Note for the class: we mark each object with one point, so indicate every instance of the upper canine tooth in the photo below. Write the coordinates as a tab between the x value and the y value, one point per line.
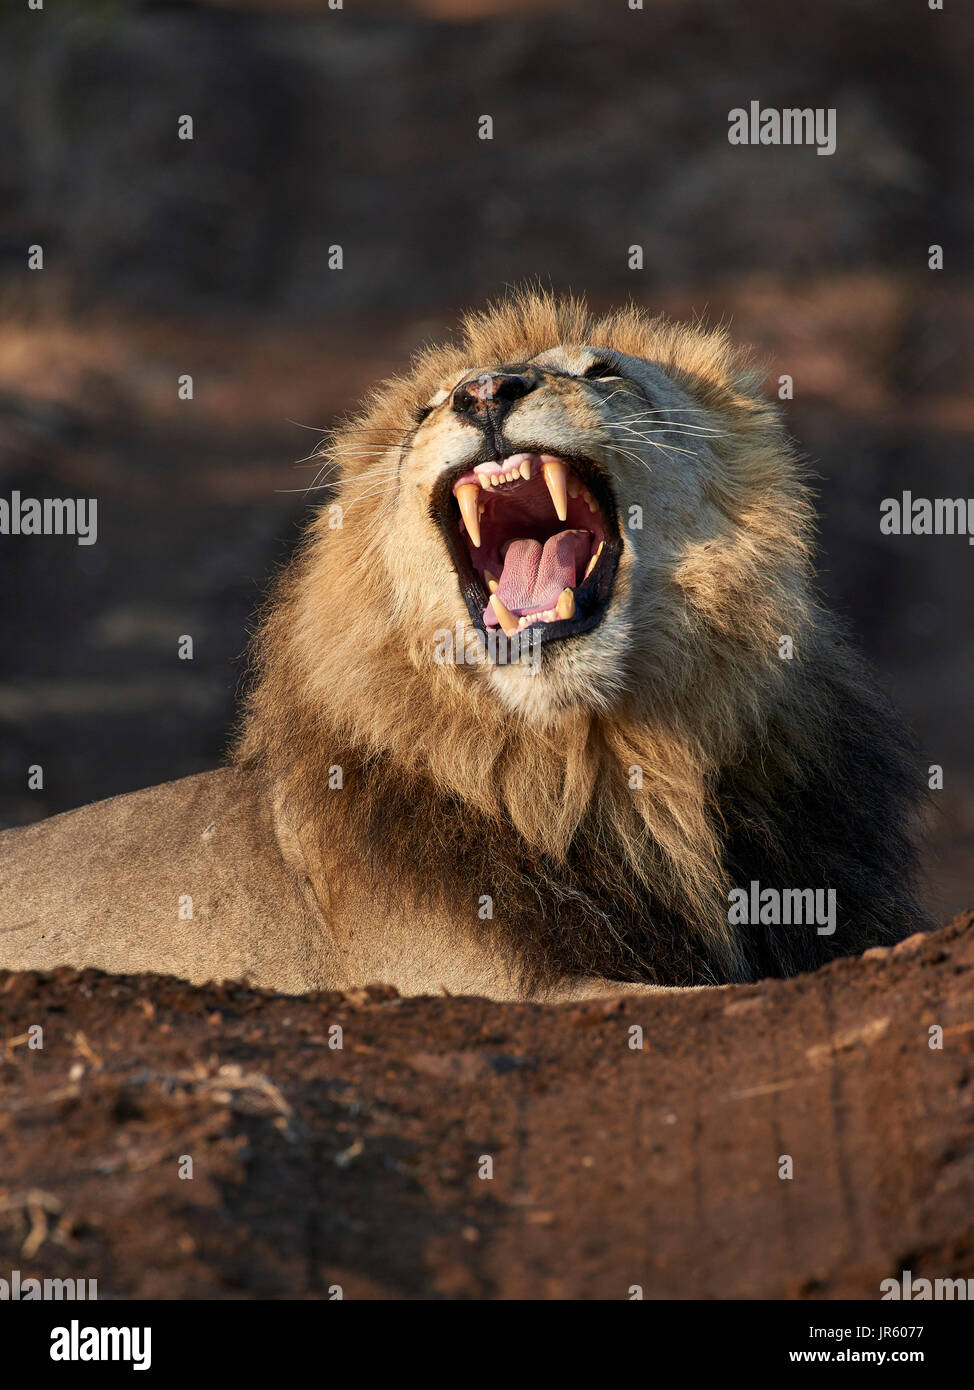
468	495
504	616
556	476
565	607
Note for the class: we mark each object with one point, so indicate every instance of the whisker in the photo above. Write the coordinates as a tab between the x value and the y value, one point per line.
674	410
313	487
314	459
619	391
669	429
358	453
308	459
627	453
687	434
317	429
666	448
678	427
364	497
377	470
688	427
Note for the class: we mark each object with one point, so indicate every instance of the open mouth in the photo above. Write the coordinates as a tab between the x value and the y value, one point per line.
535	540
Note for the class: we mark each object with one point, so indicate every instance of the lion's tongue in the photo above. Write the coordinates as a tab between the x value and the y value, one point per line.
535	574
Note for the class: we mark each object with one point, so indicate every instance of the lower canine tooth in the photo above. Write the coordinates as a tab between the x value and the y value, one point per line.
504	616
565	607
556	476
468	496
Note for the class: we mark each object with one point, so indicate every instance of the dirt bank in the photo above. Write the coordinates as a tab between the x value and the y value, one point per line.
316	1166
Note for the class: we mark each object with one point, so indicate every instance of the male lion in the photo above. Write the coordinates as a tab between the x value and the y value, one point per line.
608	512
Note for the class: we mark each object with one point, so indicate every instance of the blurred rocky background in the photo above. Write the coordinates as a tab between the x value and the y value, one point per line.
358	127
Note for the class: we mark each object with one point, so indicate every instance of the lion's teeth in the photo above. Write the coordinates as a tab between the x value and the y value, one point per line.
589	500
468	495
525	469
556	477
574	486
565	607
492	580
593	562
504	616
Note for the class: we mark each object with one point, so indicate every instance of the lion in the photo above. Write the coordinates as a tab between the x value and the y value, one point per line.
546	689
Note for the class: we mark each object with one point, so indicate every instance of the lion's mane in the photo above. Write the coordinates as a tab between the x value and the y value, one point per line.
793	773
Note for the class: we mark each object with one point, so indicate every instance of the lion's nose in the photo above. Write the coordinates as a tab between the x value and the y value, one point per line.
491	394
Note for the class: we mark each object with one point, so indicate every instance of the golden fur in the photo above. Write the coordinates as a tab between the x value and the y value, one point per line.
683	679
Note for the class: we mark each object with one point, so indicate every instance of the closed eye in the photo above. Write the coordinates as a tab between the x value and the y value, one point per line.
599	370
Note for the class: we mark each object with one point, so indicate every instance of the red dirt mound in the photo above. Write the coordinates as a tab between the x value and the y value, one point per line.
361	1166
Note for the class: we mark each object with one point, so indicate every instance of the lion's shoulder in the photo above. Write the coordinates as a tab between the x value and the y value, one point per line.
184	878
144	826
